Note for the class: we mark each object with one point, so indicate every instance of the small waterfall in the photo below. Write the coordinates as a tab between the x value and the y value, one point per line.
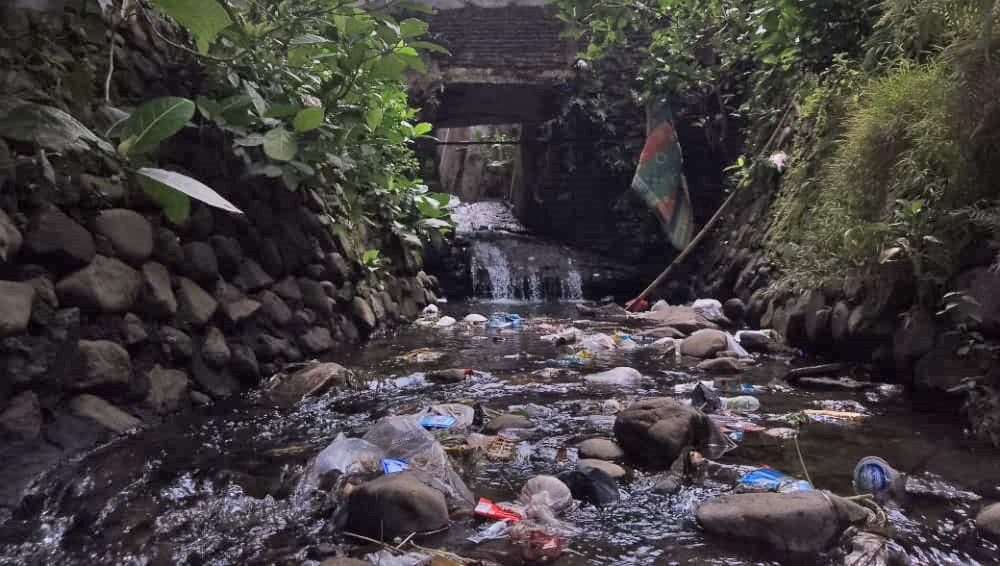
516	269
489	259
573	285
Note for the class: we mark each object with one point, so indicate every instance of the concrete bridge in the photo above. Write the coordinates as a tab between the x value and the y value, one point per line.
507	61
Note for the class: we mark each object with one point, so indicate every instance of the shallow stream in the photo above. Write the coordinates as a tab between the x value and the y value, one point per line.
216	487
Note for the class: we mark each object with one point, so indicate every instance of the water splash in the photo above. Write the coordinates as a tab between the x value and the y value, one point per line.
573	287
488	258
506	270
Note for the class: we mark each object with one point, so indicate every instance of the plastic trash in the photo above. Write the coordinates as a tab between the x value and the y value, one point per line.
394	466
544	497
437	421
624	341
502	447
622	376
741	404
436	415
405	439
598	342
660	305
349	456
705	398
537	545
874	475
486	508
445	321
708	308
475	318
497	530
386	558
773	480
430	310
733	385
503	320
421	355
823	415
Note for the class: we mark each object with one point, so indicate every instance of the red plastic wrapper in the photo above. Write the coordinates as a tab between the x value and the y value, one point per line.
486	508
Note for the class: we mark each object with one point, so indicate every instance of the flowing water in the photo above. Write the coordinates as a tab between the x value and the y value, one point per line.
217	488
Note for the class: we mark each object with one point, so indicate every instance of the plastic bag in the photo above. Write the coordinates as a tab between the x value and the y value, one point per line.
405	439
708	308
349	456
464	414
544	497
597	342
772	480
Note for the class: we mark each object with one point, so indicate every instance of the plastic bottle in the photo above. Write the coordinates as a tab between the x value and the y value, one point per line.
741	404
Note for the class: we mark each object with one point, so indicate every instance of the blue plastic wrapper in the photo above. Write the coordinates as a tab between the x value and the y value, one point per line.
503	320
394	465
437	421
775	480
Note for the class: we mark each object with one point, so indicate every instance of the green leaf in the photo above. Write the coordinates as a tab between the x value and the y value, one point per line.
281	111
209	108
204	18
175	205
370	255
429	46
412	61
308	119
190	187
280	145
258	101
389	67
422	128
374	117
412	27
156	121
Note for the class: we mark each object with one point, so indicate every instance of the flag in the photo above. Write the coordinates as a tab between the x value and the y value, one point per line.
659	179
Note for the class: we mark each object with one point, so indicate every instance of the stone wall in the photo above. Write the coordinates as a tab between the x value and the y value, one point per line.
110	316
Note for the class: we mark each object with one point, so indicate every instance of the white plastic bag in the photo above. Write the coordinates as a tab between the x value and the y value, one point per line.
544	497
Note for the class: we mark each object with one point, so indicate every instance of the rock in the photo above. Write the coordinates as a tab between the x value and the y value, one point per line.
288	289
176	345
668	484
839	319
252	277
662	332
704	344
734	309
106	285
988	520
316	340
104	413
200	399
592	485
445	321
167	248
196	305
685	319
914	337
943	368
200	262
130	234
621	376
104	363
314	297
218	384
133	330
57	236
430	310
363	312
73	433
654	431
475	318
316	379
721	365
613	470
15	307
244	363
22	418
166	389
601	449
10	238
157	295
228	253
453	375
46	301
214	349
395	505
506	421
803	521
274	308
240	310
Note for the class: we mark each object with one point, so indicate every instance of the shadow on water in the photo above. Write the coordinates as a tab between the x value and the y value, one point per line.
216	487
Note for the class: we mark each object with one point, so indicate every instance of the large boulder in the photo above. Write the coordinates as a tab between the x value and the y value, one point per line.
130	234
685	319
655	431
10	238
107	284
15	307
104	413
988	520
104	363
804	521
316	379
166	389
60	238
704	343
395	505
22	418
196	305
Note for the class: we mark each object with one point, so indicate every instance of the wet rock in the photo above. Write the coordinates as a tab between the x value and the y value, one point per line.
704	344
214	349
601	449
734	309
288	289
720	365
316	340
22	418
453	375
445	321
669	484
654	431
104	413
274	308
363	312
756	342
133	330
166	389
106	284
988	520
200	262
506	421
592	485
314	297
73	433
15	307
663	332
157	295
685	319
612	469
252	277
196	306
395	505
103	363
240	310
228	253
176	345
316	379
130	234
217	383
10	238
57	236
804	521
621	376
244	363
475	318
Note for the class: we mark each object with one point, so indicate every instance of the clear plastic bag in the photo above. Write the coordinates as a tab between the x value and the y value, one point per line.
544	497
348	456
464	414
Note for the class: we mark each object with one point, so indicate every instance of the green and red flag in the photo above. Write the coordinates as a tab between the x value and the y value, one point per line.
659	179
